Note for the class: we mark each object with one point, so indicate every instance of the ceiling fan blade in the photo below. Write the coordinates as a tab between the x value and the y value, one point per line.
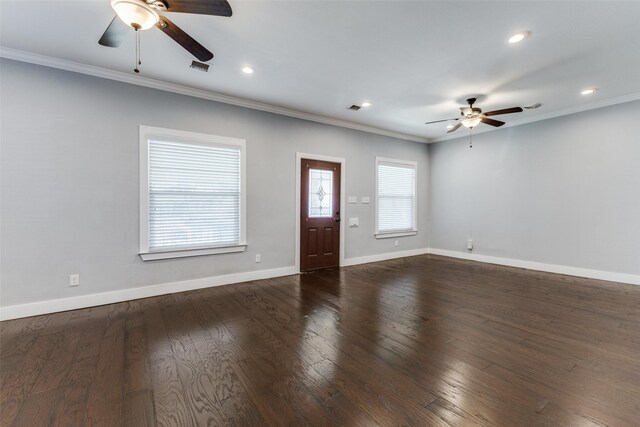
491	122
505	111
184	39
455	128
440	121
201	7
115	33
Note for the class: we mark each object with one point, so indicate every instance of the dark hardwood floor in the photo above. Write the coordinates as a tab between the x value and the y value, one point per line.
422	341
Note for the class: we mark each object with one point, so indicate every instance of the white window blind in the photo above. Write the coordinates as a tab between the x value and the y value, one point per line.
194	195
396	196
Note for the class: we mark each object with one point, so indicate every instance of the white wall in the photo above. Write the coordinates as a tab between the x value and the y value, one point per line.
563	191
69	183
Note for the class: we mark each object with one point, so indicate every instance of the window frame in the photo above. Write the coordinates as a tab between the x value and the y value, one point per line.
396	233
149	132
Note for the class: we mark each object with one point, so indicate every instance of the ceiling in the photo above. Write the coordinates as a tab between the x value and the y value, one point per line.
415	61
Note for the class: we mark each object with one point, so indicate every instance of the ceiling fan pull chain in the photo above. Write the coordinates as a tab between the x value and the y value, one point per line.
139	49
470	138
138	62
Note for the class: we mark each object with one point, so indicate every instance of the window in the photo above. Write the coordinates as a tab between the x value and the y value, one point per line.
192	194
320	193
396	206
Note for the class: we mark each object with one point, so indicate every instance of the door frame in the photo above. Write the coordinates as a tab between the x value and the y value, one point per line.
321	157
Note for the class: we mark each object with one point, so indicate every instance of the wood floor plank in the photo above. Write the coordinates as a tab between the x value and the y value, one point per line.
241	411
137	371
579	403
257	379
138	409
197	383
12	396
38	410
104	403
57	367
455	416
74	391
169	396
346	413
168	393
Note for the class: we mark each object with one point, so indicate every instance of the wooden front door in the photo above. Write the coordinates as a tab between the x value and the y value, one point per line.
319	215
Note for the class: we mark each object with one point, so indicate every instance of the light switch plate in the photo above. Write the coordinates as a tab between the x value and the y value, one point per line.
365	199
352	199
74	280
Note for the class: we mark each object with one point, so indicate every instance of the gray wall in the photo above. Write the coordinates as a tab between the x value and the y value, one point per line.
562	191
69	183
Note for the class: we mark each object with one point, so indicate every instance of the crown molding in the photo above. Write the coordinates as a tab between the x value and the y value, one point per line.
550	115
48	61
62	64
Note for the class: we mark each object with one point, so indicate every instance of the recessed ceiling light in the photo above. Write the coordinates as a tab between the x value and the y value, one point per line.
449	126
588	91
247	70
366	104
518	37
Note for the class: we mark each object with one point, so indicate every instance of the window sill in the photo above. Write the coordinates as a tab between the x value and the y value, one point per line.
395	234
152	256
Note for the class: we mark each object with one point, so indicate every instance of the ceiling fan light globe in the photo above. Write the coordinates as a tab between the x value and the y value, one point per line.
135	13
470	122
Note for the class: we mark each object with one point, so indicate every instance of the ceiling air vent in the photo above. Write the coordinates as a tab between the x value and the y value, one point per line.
199	66
354	107
534	106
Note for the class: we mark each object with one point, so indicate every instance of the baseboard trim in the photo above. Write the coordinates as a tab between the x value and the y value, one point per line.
383	257
631	279
85	301
92	300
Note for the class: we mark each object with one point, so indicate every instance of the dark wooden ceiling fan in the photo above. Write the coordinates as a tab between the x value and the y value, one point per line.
472	116
144	14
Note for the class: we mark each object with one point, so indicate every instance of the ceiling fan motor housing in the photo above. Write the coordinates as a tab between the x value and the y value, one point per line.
470	111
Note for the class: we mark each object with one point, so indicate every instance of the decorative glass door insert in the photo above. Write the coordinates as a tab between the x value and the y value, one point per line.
320	193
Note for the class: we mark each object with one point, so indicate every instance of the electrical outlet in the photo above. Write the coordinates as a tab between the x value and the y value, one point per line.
257	257
397	243
74	280
470	244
